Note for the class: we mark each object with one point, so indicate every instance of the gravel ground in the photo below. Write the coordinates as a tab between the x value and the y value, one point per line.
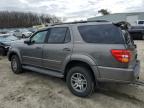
32	90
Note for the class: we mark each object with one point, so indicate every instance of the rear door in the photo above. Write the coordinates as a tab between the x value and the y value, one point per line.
58	48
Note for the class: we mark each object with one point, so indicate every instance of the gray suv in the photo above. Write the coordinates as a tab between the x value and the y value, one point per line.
83	53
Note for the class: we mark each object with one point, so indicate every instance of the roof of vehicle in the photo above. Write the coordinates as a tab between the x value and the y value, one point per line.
77	23
122	25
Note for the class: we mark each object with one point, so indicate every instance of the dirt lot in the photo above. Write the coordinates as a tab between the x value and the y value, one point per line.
31	90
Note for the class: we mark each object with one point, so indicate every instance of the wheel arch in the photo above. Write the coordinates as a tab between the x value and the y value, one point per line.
72	63
10	54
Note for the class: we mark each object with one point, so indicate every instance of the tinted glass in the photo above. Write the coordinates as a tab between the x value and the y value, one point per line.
57	35
39	37
107	34
68	36
141	22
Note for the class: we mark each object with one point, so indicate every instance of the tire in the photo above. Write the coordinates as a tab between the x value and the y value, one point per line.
16	65
86	76
2	51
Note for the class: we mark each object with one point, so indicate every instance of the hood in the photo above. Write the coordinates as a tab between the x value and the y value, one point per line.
18	41
8	43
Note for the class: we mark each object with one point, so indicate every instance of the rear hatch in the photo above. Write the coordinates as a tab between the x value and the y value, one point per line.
129	43
108	44
131	47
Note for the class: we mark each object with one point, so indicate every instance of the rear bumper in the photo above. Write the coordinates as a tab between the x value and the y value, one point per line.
121	75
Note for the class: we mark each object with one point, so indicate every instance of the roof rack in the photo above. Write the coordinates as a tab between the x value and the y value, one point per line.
80	22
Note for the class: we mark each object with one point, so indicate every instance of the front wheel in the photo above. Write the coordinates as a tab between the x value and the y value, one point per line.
16	64
80	81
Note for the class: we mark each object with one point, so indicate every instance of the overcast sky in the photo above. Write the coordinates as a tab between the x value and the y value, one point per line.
72	9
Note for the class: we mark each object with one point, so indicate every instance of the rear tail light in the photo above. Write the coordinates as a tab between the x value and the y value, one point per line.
122	56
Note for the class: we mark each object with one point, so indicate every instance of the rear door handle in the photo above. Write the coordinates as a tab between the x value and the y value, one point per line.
66	49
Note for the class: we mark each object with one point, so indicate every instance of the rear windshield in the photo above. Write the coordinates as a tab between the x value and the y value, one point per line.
107	34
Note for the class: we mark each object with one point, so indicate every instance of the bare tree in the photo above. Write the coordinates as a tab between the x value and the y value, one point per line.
104	12
21	19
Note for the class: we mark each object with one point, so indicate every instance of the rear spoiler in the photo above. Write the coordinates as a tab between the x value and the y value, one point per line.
123	25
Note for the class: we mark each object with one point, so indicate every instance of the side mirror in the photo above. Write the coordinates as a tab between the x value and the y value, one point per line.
27	41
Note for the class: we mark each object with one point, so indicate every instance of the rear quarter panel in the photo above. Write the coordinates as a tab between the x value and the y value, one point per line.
99	53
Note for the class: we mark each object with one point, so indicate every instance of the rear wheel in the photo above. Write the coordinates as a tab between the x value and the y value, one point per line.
80	81
16	65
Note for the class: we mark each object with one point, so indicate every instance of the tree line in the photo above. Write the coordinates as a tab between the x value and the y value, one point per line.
104	12
22	19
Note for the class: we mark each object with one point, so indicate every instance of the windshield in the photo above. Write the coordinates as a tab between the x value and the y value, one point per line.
7	38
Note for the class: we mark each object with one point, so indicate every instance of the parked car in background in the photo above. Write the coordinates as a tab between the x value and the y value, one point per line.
22	33
83	53
4	31
140	22
137	32
33	30
5	42
11	32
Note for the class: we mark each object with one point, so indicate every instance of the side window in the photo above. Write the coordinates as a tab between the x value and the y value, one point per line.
39	37
57	35
106	34
68	36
